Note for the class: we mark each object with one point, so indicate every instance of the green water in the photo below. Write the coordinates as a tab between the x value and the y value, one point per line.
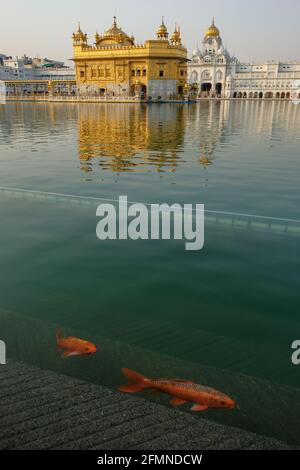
225	316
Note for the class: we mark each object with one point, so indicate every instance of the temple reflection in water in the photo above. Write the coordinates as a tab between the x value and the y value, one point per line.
131	137
119	138
140	138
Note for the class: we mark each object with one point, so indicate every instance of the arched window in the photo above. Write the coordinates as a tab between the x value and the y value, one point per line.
206	75
194	76
219	76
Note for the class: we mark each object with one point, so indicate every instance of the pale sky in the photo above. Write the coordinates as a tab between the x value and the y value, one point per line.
251	29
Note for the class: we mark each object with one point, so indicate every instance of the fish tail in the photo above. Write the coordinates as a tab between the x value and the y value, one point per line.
137	382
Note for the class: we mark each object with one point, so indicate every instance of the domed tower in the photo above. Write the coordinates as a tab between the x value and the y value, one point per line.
162	33
114	36
212	41
212	31
79	38
209	66
176	37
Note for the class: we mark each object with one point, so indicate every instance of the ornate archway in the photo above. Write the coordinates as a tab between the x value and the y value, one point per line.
206	89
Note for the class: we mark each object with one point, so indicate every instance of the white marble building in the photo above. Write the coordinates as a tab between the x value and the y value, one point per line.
218	74
19	69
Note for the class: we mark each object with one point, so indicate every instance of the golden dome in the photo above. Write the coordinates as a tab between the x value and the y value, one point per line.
162	32
114	30
212	31
162	29
79	36
114	35
176	36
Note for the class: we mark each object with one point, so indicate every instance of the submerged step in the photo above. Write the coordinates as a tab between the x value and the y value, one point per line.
105	420
264	407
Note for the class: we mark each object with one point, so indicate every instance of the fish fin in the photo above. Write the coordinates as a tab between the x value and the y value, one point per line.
199	408
133	377
177	402
67	354
137	382
131	388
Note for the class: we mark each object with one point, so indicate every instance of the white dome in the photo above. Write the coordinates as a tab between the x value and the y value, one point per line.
196	53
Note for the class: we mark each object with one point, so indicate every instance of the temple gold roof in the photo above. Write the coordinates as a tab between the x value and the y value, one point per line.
176	36
162	32
79	35
114	35
212	31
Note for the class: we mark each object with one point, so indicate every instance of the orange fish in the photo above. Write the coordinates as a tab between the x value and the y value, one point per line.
74	346
182	391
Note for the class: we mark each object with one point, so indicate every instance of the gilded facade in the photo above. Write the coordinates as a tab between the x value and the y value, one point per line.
116	66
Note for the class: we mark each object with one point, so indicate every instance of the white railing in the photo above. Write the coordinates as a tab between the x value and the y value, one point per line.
93	98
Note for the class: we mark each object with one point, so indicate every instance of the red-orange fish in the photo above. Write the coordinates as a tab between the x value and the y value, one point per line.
182	391
74	346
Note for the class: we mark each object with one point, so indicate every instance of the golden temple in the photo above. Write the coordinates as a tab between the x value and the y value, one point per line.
114	66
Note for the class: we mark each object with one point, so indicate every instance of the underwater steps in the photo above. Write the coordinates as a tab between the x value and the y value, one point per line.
199	346
265	407
43	410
